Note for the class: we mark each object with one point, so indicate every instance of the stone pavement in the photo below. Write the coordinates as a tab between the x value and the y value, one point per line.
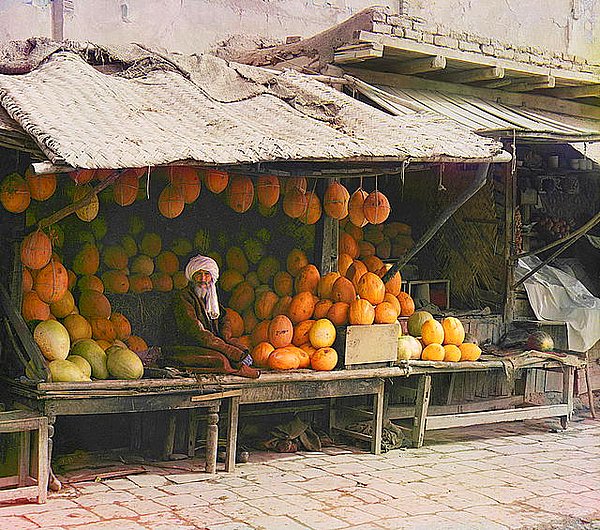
517	475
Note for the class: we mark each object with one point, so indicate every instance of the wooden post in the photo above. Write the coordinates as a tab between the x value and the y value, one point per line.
232	429
588	384
510	183
170	435
24	457
58	20
378	410
192	432
43	469
567	394
212	439
421	407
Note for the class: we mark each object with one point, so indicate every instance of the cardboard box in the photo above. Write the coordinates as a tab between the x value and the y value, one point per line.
358	346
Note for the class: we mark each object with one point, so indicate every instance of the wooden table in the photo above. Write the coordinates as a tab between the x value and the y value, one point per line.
513	408
114	397
273	387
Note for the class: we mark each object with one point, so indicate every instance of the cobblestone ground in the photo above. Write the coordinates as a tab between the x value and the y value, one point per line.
518	475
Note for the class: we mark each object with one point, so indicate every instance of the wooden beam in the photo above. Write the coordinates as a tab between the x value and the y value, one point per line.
358	52
476	185
419	66
533	101
472	76
498	83
533	84
476	59
574	92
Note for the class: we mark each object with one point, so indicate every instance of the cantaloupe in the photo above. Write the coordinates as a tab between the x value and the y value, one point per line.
122	363
53	339
62	370
93	354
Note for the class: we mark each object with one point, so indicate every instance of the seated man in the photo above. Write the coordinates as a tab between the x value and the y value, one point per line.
205	342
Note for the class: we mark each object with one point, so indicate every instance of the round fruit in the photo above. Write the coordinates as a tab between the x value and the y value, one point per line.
53	339
433	352
408	348
324	359
322	333
416	321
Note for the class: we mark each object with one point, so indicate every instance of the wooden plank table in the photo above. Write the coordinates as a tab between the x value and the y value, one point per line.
273	387
114	397
449	416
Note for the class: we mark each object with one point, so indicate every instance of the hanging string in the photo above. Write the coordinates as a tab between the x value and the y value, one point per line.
148	183
361	183
404	164
513	165
441	186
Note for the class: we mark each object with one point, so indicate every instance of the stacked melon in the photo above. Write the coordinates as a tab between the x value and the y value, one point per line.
431	340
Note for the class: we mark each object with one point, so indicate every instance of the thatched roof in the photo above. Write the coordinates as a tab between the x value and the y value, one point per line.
143	108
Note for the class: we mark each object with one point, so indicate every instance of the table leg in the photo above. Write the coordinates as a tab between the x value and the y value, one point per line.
567	396
53	483
421	407
378	410
212	439
192	432
170	436
588	384
232	431
43	471
24	457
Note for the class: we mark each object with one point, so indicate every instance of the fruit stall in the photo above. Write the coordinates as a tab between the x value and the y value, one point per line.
310	247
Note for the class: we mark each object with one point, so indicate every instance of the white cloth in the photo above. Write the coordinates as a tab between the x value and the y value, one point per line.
556	295
204	263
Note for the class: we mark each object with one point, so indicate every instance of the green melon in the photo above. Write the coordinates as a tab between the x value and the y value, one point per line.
254	249
267	268
122	363
93	354
129	246
82	364
540	341
181	246
202	241
416	321
53	339
62	370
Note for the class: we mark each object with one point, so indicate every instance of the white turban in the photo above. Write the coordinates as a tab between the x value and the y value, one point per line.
204	263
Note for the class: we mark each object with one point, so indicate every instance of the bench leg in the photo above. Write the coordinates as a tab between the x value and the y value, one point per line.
378	410
588	384
53	483
170	435
24	457
43	470
232	432
567	395
192	432
421	407
212	439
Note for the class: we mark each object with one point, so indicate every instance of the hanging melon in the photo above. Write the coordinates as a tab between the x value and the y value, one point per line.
216	180
82	176
125	189
187	181
295	183
151	244
41	187
355	208
240	193
295	203
171	202
267	190
88	212
376	207
335	201
14	193
313	209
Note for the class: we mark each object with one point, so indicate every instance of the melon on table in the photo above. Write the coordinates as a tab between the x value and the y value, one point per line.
53	339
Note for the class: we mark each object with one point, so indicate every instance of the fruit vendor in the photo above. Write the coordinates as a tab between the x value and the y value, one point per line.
205	343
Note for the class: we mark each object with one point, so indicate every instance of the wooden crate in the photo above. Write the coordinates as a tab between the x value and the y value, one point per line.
358	346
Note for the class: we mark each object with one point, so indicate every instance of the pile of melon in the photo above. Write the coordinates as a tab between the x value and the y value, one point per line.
431	340
82	359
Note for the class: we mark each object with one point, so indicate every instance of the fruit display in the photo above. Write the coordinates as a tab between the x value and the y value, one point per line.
430	340
551	227
540	341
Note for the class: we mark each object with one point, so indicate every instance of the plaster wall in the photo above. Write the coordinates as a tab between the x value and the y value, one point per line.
569	26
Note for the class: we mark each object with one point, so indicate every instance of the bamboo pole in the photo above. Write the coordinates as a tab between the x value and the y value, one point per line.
476	185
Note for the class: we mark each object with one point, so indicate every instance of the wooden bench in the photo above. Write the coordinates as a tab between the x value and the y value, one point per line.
23	485
120	396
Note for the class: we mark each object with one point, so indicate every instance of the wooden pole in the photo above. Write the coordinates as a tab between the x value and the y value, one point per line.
58	20
476	185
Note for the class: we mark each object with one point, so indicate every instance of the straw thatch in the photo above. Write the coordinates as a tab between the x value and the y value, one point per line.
158	108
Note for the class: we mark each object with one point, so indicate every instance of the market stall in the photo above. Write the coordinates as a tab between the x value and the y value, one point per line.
274	176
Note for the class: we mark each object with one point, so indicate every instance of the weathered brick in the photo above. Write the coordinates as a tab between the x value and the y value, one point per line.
469	46
412	34
398	31
446	42
379	27
488	49
402	22
522	56
427	37
505	53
